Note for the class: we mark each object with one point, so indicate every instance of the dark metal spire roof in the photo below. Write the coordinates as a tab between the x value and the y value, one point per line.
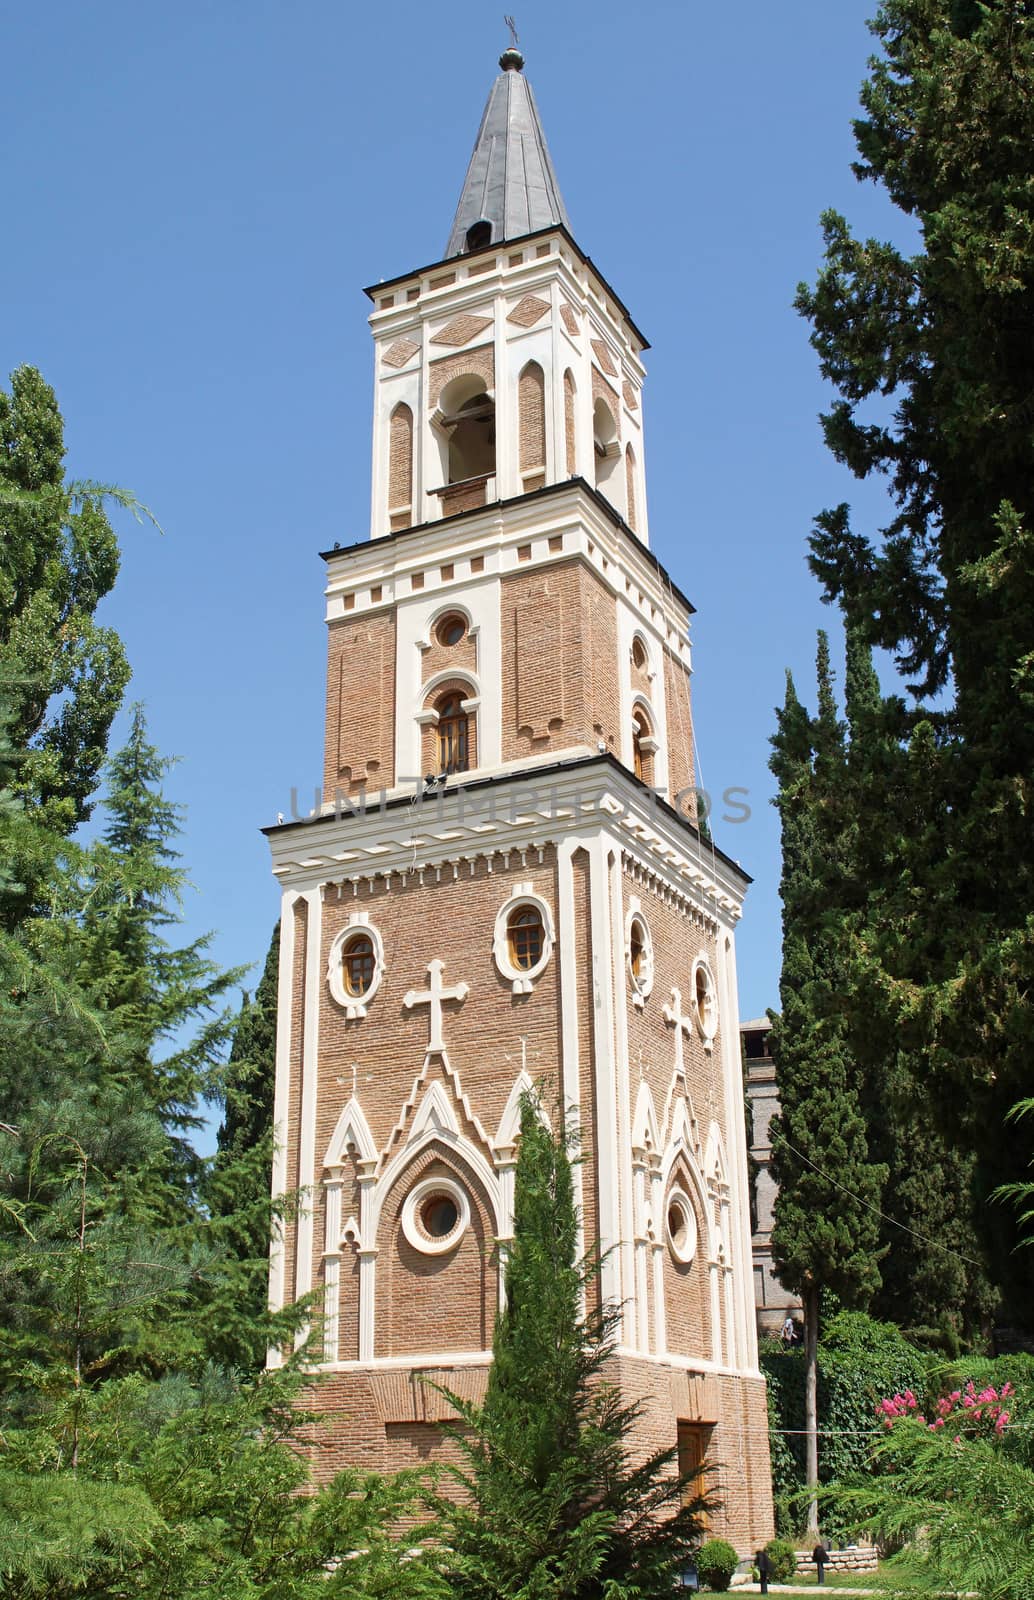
510	183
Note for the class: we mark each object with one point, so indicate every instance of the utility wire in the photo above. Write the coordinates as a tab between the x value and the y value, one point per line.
922	1237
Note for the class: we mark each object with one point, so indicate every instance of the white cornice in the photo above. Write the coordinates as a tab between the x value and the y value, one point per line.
516	817
495	534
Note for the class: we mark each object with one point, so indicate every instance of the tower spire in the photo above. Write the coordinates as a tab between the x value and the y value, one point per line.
511	188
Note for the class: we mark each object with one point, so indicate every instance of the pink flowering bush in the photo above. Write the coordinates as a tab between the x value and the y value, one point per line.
965	1413
952	1477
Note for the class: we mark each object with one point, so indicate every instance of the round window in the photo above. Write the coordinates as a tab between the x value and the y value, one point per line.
435	1216
705	1003
439	1215
526	937
450	630
357	963
638	654
681	1226
639	951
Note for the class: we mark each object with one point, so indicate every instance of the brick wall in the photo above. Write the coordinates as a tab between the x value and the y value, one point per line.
681	774
360	743
560	685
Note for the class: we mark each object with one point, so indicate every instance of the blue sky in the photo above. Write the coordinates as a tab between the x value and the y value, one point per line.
195	194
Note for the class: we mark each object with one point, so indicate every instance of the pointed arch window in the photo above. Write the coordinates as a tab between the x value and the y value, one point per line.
643	746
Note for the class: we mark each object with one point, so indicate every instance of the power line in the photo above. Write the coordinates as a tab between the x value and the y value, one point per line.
857	1198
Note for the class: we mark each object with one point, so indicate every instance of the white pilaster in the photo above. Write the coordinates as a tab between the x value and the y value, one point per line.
281	1095
608	1153
310	1058
741	1255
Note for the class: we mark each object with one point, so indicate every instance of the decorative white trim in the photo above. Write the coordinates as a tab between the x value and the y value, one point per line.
645	1132
521	979
642	984
352	1133
354	1005
435	1114
449	675
705	1014
684	1250
510	1121
417	1236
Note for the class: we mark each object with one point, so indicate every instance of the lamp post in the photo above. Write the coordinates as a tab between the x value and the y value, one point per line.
819	1556
764	1567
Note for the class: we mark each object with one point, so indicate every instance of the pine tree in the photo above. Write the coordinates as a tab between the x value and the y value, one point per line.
556	1506
164	1004
826	1229
943	341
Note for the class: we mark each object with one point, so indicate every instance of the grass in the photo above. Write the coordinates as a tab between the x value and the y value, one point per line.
891	1578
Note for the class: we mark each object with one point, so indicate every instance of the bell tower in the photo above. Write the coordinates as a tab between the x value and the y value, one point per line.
505	883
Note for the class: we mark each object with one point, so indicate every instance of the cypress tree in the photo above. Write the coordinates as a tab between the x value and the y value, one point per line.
943	339
236	1189
826	1229
556	1505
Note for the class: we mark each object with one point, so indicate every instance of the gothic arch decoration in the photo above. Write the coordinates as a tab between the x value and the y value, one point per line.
400	466
531	412
350	1159
720	1218
435	1122
510	1121
354	997
630	494
351	1136
646	1134
436	1203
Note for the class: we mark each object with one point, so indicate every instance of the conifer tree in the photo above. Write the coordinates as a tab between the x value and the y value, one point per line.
556	1506
163	1003
65	674
236	1188
942	340
826	1229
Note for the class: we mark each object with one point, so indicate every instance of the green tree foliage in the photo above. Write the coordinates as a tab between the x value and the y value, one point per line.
556	1505
931	356
859	1361
826	1227
186	1491
236	1188
64	673
961	1488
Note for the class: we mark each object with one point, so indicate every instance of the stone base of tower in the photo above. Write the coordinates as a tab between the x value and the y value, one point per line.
386	1419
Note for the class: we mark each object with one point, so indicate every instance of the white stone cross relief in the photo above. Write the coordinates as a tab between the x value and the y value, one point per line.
682	1024
433	996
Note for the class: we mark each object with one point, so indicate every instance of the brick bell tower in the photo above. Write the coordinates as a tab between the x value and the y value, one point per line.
505	883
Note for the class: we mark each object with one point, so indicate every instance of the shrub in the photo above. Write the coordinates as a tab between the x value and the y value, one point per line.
782	1560
716	1563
